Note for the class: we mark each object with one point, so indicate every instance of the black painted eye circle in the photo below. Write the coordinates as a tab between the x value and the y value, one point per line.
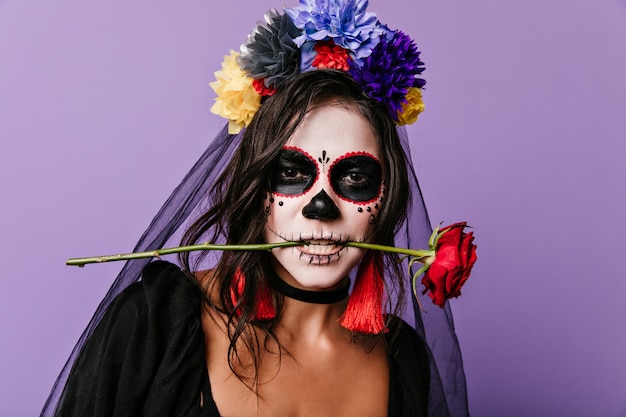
357	177
293	173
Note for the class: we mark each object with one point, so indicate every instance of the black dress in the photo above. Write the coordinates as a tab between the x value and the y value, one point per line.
147	357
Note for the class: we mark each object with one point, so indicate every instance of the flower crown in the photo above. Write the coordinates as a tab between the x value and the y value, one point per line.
335	34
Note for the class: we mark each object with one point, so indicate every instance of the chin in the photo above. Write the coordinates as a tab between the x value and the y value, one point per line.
313	268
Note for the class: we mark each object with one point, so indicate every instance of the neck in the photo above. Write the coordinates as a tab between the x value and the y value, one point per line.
312	297
311	324
312	316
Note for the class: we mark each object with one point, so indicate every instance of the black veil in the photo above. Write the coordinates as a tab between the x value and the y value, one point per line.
448	396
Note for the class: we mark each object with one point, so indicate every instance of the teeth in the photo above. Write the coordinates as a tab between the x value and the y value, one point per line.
320	248
321	242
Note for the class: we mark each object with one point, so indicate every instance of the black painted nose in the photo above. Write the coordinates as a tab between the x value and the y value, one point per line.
321	207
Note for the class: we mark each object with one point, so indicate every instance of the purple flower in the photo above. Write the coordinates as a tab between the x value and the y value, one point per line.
270	52
345	21
390	71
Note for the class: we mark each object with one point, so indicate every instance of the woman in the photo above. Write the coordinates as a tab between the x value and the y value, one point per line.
317	152
276	333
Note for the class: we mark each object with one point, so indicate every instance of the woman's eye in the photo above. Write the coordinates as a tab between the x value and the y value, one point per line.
290	175
355	181
294	173
356	178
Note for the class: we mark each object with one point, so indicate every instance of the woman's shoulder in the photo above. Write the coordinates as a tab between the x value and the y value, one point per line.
165	297
149	337
162	275
410	369
405	344
161	283
400	333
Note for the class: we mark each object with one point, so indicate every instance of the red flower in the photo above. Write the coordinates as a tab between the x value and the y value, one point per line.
331	56
455	255
259	86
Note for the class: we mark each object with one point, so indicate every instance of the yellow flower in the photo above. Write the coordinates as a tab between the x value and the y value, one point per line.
412	108
237	100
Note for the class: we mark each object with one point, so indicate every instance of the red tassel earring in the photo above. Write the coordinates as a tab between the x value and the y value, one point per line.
364	313
263	307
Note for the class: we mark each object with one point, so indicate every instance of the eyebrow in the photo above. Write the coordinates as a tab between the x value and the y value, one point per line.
356	160
292	155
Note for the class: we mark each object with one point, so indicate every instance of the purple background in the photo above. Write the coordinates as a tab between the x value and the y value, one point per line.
105	105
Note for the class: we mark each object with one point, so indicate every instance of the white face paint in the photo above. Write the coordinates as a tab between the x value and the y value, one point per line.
327	189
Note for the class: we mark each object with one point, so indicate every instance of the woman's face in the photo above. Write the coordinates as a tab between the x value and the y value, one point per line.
327	188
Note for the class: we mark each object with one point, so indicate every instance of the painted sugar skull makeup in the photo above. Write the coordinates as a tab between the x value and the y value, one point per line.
326	188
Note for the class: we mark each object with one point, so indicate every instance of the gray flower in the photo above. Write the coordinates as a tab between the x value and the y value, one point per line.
270	52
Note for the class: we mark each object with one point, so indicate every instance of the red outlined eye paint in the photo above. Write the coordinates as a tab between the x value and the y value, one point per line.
294	173
356	177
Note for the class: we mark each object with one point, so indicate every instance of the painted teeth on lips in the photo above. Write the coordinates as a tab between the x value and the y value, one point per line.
320	247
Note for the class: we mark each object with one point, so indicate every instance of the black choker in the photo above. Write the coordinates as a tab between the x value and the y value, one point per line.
313	297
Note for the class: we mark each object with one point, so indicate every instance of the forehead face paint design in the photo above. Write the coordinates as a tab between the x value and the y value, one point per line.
324	159
357	177
294	173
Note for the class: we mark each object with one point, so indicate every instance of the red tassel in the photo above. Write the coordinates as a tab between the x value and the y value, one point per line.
364	313
263	309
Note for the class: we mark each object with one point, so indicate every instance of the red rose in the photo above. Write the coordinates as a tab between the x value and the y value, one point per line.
455	255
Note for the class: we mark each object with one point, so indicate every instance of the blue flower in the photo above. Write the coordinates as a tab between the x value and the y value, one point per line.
345	21
390	71
270	52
